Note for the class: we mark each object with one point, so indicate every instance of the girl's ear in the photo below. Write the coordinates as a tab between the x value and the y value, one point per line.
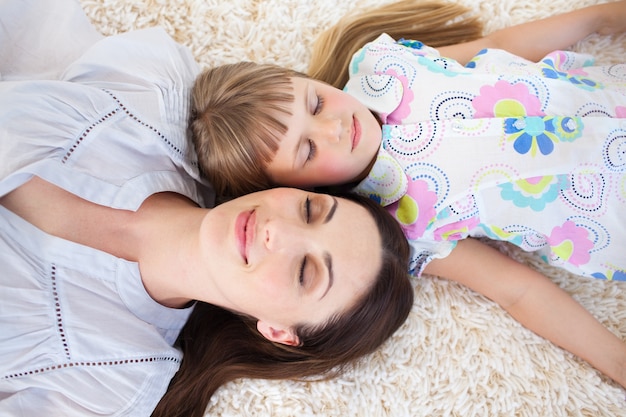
278	335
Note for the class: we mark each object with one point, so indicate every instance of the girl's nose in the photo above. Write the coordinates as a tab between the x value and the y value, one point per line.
329	129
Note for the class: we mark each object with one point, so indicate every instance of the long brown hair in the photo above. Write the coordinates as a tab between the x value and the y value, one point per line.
435	23
220	346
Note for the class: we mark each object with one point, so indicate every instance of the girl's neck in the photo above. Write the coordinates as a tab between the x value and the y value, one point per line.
365	172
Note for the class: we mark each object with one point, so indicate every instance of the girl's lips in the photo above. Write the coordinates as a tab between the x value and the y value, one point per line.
356	133
244	232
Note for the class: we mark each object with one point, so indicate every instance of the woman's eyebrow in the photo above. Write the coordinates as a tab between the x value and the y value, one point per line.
328	260
331	212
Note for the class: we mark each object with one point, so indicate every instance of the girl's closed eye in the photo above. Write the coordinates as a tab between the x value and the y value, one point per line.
312	150
319	105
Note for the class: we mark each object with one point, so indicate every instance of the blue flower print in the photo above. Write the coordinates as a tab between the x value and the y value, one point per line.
531	134
534	193
375	197
496	233
410	43
568	129
611	275
356	60
434	64
473	61
551	70
437	65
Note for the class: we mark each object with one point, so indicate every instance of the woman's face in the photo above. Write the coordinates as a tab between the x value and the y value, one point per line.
287	256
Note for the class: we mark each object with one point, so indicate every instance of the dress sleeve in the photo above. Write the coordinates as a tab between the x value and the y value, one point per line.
38	39
147	71
424	251
144	58
391	77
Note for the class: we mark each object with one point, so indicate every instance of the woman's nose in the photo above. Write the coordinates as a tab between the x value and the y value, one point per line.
281	235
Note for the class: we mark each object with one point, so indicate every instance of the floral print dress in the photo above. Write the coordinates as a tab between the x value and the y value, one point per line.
504	148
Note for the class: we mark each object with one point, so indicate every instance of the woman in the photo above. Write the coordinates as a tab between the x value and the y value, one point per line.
104	247
281	258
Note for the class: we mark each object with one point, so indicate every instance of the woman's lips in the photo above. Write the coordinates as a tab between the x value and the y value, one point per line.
356	133
244	231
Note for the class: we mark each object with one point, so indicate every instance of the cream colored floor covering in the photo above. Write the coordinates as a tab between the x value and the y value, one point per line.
458	354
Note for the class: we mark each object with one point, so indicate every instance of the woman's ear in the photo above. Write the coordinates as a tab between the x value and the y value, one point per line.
278	335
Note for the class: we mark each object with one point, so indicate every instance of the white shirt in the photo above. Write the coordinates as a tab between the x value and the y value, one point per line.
38	39
79	335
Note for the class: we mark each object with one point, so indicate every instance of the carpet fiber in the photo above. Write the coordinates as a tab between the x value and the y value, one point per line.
458	354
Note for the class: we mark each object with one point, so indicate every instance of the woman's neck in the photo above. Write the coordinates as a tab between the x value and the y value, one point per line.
168	229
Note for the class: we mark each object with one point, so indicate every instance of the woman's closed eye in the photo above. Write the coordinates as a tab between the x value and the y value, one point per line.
301	278
307	218
313	208
307	210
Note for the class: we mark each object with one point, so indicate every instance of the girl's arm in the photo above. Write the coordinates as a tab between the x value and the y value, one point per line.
536	302
533	40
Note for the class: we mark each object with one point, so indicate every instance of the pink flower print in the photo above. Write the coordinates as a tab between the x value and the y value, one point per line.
620	112
504	99
404	108
415	210
571	243
457	230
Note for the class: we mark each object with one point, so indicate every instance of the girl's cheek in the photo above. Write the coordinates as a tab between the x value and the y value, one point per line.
337	173
330	167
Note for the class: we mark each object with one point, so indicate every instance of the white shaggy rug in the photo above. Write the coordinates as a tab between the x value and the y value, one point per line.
458	354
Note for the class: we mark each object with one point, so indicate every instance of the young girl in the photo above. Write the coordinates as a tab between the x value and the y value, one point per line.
501	148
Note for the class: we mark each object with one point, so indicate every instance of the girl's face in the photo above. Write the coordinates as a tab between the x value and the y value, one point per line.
288	256
332	138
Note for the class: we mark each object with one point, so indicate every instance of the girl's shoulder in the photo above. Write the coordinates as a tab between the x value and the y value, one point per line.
385	45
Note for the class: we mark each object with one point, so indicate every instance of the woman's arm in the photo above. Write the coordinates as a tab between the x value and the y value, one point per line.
536	302
533	40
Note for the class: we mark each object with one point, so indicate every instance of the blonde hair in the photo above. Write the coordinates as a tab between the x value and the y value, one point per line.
235	123
433	22
236	109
